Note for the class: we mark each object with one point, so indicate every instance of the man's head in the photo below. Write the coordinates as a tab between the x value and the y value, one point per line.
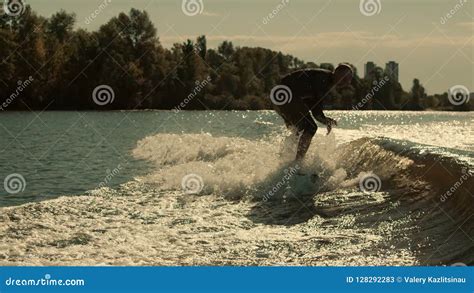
343	75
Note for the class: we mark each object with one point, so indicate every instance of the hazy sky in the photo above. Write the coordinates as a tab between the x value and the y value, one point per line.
411	32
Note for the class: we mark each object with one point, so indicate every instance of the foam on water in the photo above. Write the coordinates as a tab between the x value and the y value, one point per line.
237	167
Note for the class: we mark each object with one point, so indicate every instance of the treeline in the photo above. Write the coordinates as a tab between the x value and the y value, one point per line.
48	64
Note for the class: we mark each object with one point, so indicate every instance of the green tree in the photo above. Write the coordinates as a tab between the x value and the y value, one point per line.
417	94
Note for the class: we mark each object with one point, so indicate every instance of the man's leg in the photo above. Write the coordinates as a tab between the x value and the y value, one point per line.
308	129
291	142
299	120
303	146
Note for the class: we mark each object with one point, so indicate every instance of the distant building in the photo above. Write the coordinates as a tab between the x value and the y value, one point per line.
369	70
391	70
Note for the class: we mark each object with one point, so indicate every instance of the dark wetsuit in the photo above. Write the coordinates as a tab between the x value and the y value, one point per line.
309	89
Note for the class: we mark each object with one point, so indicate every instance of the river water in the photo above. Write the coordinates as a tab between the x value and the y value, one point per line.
219	188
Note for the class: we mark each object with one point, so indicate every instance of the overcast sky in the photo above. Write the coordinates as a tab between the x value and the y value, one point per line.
411	32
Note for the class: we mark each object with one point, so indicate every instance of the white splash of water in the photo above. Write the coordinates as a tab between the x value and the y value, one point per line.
236	167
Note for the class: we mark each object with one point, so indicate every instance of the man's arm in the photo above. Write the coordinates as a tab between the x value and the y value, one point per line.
318	114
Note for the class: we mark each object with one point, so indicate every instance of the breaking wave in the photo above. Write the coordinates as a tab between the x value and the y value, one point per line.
430	186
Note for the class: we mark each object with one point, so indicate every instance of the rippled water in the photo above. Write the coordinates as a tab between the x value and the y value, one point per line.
142	215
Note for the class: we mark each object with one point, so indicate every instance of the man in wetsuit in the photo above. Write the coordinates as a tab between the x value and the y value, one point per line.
303	93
